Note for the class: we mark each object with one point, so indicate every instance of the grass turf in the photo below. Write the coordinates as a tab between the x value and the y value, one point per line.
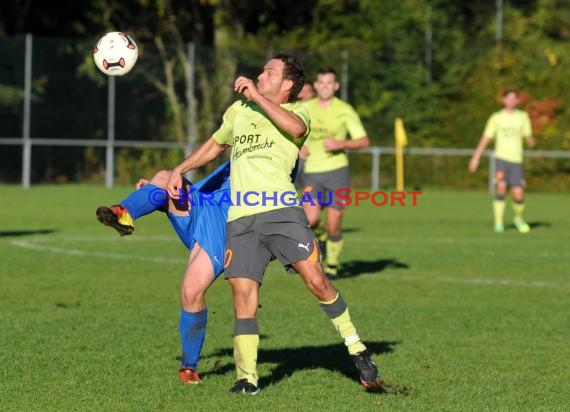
457	317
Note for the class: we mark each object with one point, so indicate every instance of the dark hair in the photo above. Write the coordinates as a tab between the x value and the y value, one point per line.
327	70
293	70
506	92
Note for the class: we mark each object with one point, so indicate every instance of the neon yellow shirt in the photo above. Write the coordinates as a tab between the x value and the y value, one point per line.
508	130
336	121
262	158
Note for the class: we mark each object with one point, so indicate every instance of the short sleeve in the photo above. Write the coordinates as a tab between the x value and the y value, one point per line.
302	112
527	127
225	133
354	124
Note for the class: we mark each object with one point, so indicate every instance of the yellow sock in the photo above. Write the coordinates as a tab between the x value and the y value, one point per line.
126	219
245	356
498	211
518	208
334	247
321	232
347	331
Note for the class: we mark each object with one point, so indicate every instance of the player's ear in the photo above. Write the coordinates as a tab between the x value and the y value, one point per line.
336	86
287	85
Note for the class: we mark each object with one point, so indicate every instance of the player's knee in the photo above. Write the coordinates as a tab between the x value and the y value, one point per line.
192	296
314	218
319	286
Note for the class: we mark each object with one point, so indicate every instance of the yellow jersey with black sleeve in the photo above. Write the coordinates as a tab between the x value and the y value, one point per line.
508	129
338	121
262	158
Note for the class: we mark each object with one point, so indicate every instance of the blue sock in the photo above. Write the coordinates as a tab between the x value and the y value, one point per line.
145	200
192	334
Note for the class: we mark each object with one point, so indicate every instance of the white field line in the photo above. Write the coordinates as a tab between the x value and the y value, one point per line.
83	253
119	256
472	281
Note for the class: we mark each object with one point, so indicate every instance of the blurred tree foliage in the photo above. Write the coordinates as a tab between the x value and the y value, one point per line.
436	63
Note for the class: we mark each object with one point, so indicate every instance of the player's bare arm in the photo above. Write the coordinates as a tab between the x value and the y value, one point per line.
207	152
284	119
303	152
474	163
530	141
352	144
141	183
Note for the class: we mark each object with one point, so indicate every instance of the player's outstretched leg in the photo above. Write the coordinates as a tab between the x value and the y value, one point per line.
337	311
148	198
369	376
117	217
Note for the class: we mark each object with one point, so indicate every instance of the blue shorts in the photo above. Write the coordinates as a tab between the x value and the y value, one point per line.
206	223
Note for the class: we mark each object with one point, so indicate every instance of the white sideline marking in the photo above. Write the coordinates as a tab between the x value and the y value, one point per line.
473	281
110	238
76	252
405	278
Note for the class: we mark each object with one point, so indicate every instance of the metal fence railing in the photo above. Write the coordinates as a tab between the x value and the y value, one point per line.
375	152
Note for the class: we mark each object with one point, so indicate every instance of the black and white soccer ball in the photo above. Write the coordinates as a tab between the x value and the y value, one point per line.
115	53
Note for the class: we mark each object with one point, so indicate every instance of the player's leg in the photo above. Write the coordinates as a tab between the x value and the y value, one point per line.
313	213
203	229
198	277
335	242
245	263
146	199
245	293
500	193
334	181
313	209
297	248
336	309
517	183
517	192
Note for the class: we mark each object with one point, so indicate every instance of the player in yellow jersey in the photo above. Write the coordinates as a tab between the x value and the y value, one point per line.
508	127
306	93
265	131
333	121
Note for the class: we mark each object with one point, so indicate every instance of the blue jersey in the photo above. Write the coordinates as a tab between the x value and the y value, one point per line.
206	222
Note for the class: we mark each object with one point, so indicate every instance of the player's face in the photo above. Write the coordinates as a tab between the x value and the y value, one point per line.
511	100
270	81
307	92
326	86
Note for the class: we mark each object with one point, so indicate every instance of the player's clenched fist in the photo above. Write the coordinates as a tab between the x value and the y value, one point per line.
246	87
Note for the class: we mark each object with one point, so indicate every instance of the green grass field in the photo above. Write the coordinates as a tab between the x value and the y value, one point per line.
457	317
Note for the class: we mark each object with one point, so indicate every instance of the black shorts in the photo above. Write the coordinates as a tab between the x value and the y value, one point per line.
254	241
509	172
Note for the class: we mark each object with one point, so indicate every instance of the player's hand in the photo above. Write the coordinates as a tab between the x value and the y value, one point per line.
141	183
304	152
332	145
473	164
531	141
246	87
174	184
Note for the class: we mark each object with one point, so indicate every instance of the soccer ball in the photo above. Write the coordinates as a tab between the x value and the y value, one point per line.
115	53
